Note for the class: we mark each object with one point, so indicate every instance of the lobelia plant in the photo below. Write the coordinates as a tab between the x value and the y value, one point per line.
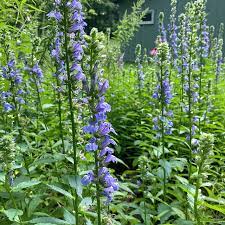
219	55
140	72
36	79
144	168
12	94
60	81
183	53
162	29
205	149
173	37
163	94
70	26
98	129
211	41
190	78
203	54
197	33
8	153
148	74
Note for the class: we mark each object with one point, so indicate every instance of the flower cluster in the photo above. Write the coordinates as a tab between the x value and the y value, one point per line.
98	128
173	31
162	30
67	53
183	47
192	90
196	38
13	96
100	141
167	124
7	156
37	77
59	62
219	59
205	43
163	93
75	33
140	72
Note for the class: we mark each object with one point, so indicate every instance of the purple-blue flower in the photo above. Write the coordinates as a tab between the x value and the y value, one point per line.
7	107
103	106
92	146
87	179
105	128
100	129
12	96
55	14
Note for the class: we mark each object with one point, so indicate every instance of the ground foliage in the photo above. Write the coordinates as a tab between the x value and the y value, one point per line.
167	109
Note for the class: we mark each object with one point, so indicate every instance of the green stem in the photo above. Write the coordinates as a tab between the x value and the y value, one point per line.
16	111
8	189
196	212
200	80
26	165
181	89
145	208
93	96
162	128
189	107
98	189
74	139
60	117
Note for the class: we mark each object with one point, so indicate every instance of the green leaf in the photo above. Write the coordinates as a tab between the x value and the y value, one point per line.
25	184
178	164
166	165
131	219
58	143
178	212
75	182
47	160
33	204
2	177
219	208
124	186
45	224
61	191
164	212
49	220
122	162
13	214
88	222
86	202
47	106
184	222
69	217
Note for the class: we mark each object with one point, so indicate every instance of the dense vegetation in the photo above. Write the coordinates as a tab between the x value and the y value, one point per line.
88	139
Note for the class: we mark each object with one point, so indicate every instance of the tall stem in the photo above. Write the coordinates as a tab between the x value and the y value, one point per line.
190	122
196	212
60	117
8	189
190	105
92	110
162	128
97	189
16	113
200	79
145	208
69	83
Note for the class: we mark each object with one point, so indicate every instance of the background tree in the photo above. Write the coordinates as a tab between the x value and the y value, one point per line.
101	14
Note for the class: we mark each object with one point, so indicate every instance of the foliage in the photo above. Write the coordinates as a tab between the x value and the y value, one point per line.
129	24
167	109
101	14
